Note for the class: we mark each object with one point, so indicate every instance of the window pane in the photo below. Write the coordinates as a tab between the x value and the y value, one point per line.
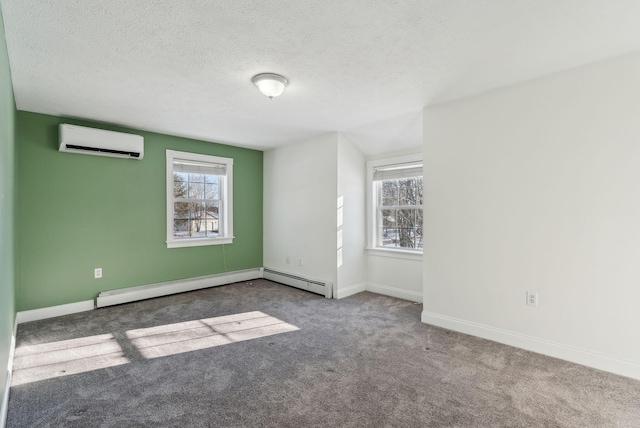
211	179
406	218
388	218
213	208
196	178
408	192
401	228
180	176
389	237
211	191
406	238
420	189
196	216
419	220
181	210
409	226
196	191
212	219
197	210
419	240
180	189
390	193
180	228
196	228
407	182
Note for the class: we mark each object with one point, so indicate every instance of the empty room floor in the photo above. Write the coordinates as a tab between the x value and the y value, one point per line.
263	354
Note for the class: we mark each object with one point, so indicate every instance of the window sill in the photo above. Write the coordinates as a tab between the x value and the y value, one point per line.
398	254
198	242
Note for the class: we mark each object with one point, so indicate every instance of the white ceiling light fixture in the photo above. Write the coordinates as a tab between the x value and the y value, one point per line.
270	84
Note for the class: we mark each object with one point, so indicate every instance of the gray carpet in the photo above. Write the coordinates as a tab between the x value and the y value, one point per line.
261	354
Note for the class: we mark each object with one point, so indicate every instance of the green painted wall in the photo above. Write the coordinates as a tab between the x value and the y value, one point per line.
79	212
7	209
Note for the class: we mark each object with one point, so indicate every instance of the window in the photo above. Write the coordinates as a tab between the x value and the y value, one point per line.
396	204
199	203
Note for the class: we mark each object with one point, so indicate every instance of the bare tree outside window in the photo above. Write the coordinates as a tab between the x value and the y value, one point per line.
196	205
400	213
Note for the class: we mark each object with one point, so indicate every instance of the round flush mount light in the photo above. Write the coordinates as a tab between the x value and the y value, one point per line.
270	84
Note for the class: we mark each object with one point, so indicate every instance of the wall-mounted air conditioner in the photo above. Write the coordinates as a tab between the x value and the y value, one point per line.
91	141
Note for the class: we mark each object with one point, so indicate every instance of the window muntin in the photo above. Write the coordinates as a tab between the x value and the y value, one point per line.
198	199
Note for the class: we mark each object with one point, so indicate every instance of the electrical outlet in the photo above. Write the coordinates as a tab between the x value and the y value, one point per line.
97	273
300	261
532	298
286	260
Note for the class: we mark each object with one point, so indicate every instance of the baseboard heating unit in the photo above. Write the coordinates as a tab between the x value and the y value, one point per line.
132	294
324	288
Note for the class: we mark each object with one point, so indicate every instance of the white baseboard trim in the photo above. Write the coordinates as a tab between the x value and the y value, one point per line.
534	344
341	293
5	402
395	292
4	408
54	311
132	294
12	348
385	290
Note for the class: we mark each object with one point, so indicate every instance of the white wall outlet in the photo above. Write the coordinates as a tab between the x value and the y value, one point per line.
97	273
532	298
287	260
300	261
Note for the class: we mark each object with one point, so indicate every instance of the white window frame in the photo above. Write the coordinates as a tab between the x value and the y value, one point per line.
226	195
372	198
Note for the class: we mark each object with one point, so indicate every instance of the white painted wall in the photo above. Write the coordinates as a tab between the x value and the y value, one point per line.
300	182
537	187
351	206
308	187
393	276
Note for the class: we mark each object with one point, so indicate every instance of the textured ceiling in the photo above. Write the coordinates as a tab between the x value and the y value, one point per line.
362	67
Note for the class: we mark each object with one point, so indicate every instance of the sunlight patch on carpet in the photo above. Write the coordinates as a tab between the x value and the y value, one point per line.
171	339
34	363
66	357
